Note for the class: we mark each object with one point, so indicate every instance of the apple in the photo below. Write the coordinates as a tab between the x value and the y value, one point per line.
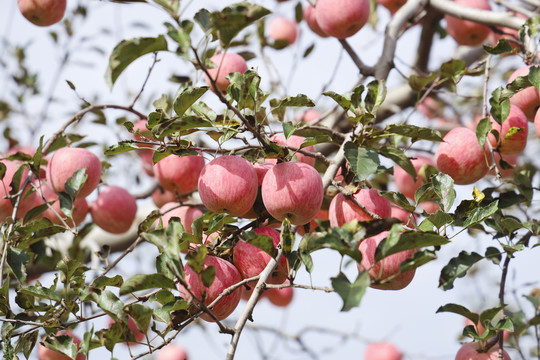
172	352
179	173
343	210
6	208
280	297
281	28
408	218
321	215
224	65
147	161
311	20
382	351
137	334
392	5
430	207
470	351
228	184
342	18
293	141
513	144
537	123
48	354
186	214
461	157
309	116
511	159
226	276
251	261
293	190
261	169
63	164
141	133
384	274
405	182
480	329
528	99
467	32
161	196
430	107
79	211
114	210
42	12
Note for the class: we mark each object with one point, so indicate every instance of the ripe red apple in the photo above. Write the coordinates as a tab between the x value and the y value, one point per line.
293	141
470	352
383	274
528	99
179	173
468	32
342	18
228	184
537	123
392	5
309	16
405	182
42	12
251	261
224	65
226	276
293	190
141	133
114	210
342	210
461	157
280	297
48	354
186	214
382	351
321	215
66	161
511	159
281	28
261	169
172	352
430	207
6	208
408	218
161	196
137	334
513	144
79	211
309	116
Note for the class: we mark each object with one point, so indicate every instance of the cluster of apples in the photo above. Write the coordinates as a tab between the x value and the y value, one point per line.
42	12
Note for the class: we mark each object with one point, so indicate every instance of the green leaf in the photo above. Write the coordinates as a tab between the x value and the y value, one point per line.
103	281
141	315
286	237
460	310
121	147
480	214
375	96
288	129
413	132
363	161
75	183
425	193
62	344
41	292
263	242
482	130
111	304
443	185
440	218
280	105
187	97
17	260
341	100
146	281
502	47
457	267
196	259
500	107
351	293
208	275
408	240
418	259
534	76
128	51
399	157
453	70
171	126
399	199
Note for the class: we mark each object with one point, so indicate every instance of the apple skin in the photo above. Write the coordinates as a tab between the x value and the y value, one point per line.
281	28
387	267
461	157
321	215
225	64
179	173
172	352
114	210
430	207
48	354
405	182
511	159
228	184
342	18
6	208
66	161
311	21
226	276
186	214
537	123
161	196
42	12
517	142
251	261
382	351
79	211
469	352
408	218
467	32
137	334
280	297
293	141
528	99
342	210
392	5
293	190
261	169
480	329
309	116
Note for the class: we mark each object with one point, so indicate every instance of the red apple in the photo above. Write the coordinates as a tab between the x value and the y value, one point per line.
408	218
6	208
48	354
226	276
513	144
293	190
114	210
382	351
281	28
186	214
172	352
141	133
528	99
342	210
392	5
511	159
224	65
228	184
309	16
261	169
179	173
468	32
470	352
480	329
342	18
309	116
537	123
42	12
280	297
251	261
161	196
79	211
293	141
430	207
461	157
137	334
384	274
147	161
405	182
321	215
66	161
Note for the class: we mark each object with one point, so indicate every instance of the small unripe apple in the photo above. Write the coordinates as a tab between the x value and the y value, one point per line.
470	352
293	141
528	99
66	161
309	16
48	354
42	12
467	32
137	334
226	276
114	210
186	214
280	297
172	352
79	211
510	144
224	65
293	190
461	157
179	173
228	184
342	210
405	182
382	351
342	18
281	28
